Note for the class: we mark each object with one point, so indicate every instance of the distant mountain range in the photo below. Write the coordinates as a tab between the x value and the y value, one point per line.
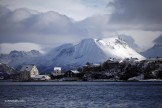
69	56
155	51
88	50
17	58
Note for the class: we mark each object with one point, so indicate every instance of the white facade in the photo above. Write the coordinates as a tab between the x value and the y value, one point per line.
57	71
32	69
42	77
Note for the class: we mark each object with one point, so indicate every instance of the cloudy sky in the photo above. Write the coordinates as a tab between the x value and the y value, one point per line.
44	24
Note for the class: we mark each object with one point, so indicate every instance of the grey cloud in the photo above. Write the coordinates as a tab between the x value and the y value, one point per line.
25	25
95	25
4	11
136	14
95	22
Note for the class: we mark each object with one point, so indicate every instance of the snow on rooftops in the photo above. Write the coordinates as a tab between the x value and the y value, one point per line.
96	64
75	71
128	60
27	67
41	77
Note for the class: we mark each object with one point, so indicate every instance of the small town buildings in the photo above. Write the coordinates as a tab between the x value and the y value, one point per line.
42	77
4	76
113	60
72	73
111	64
57	71
130	60
96	65
28	72
157	59
1	76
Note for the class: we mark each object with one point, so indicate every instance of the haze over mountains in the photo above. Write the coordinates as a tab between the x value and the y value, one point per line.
27	27
18	58
155	51
72	56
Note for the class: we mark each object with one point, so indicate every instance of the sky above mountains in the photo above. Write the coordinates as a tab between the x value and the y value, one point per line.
44	24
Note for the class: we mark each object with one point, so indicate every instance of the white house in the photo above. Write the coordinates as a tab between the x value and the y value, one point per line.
31	69
72	73
130	60
57	71
42	77
75	71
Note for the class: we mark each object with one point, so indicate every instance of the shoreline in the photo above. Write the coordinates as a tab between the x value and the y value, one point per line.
146	80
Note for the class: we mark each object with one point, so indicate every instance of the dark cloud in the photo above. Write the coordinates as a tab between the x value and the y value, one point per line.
94	25
25	25
137	14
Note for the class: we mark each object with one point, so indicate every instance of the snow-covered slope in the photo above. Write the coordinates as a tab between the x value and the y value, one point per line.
117	48
5	69
155	51
70	56
88	50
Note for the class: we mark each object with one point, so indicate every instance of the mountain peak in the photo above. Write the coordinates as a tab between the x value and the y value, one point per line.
87	40
89	50
70	56
15	58
24	53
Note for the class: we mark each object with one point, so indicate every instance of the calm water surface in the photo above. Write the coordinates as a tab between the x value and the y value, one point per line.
80	94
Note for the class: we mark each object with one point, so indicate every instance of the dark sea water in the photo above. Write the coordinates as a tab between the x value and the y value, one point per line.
80	94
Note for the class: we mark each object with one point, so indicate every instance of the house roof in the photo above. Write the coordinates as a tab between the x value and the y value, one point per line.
96	64
40	76
27	67
75	71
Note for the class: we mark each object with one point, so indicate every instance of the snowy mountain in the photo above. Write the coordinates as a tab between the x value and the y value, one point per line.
16	58
5	69
155	51
70	56
88	50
